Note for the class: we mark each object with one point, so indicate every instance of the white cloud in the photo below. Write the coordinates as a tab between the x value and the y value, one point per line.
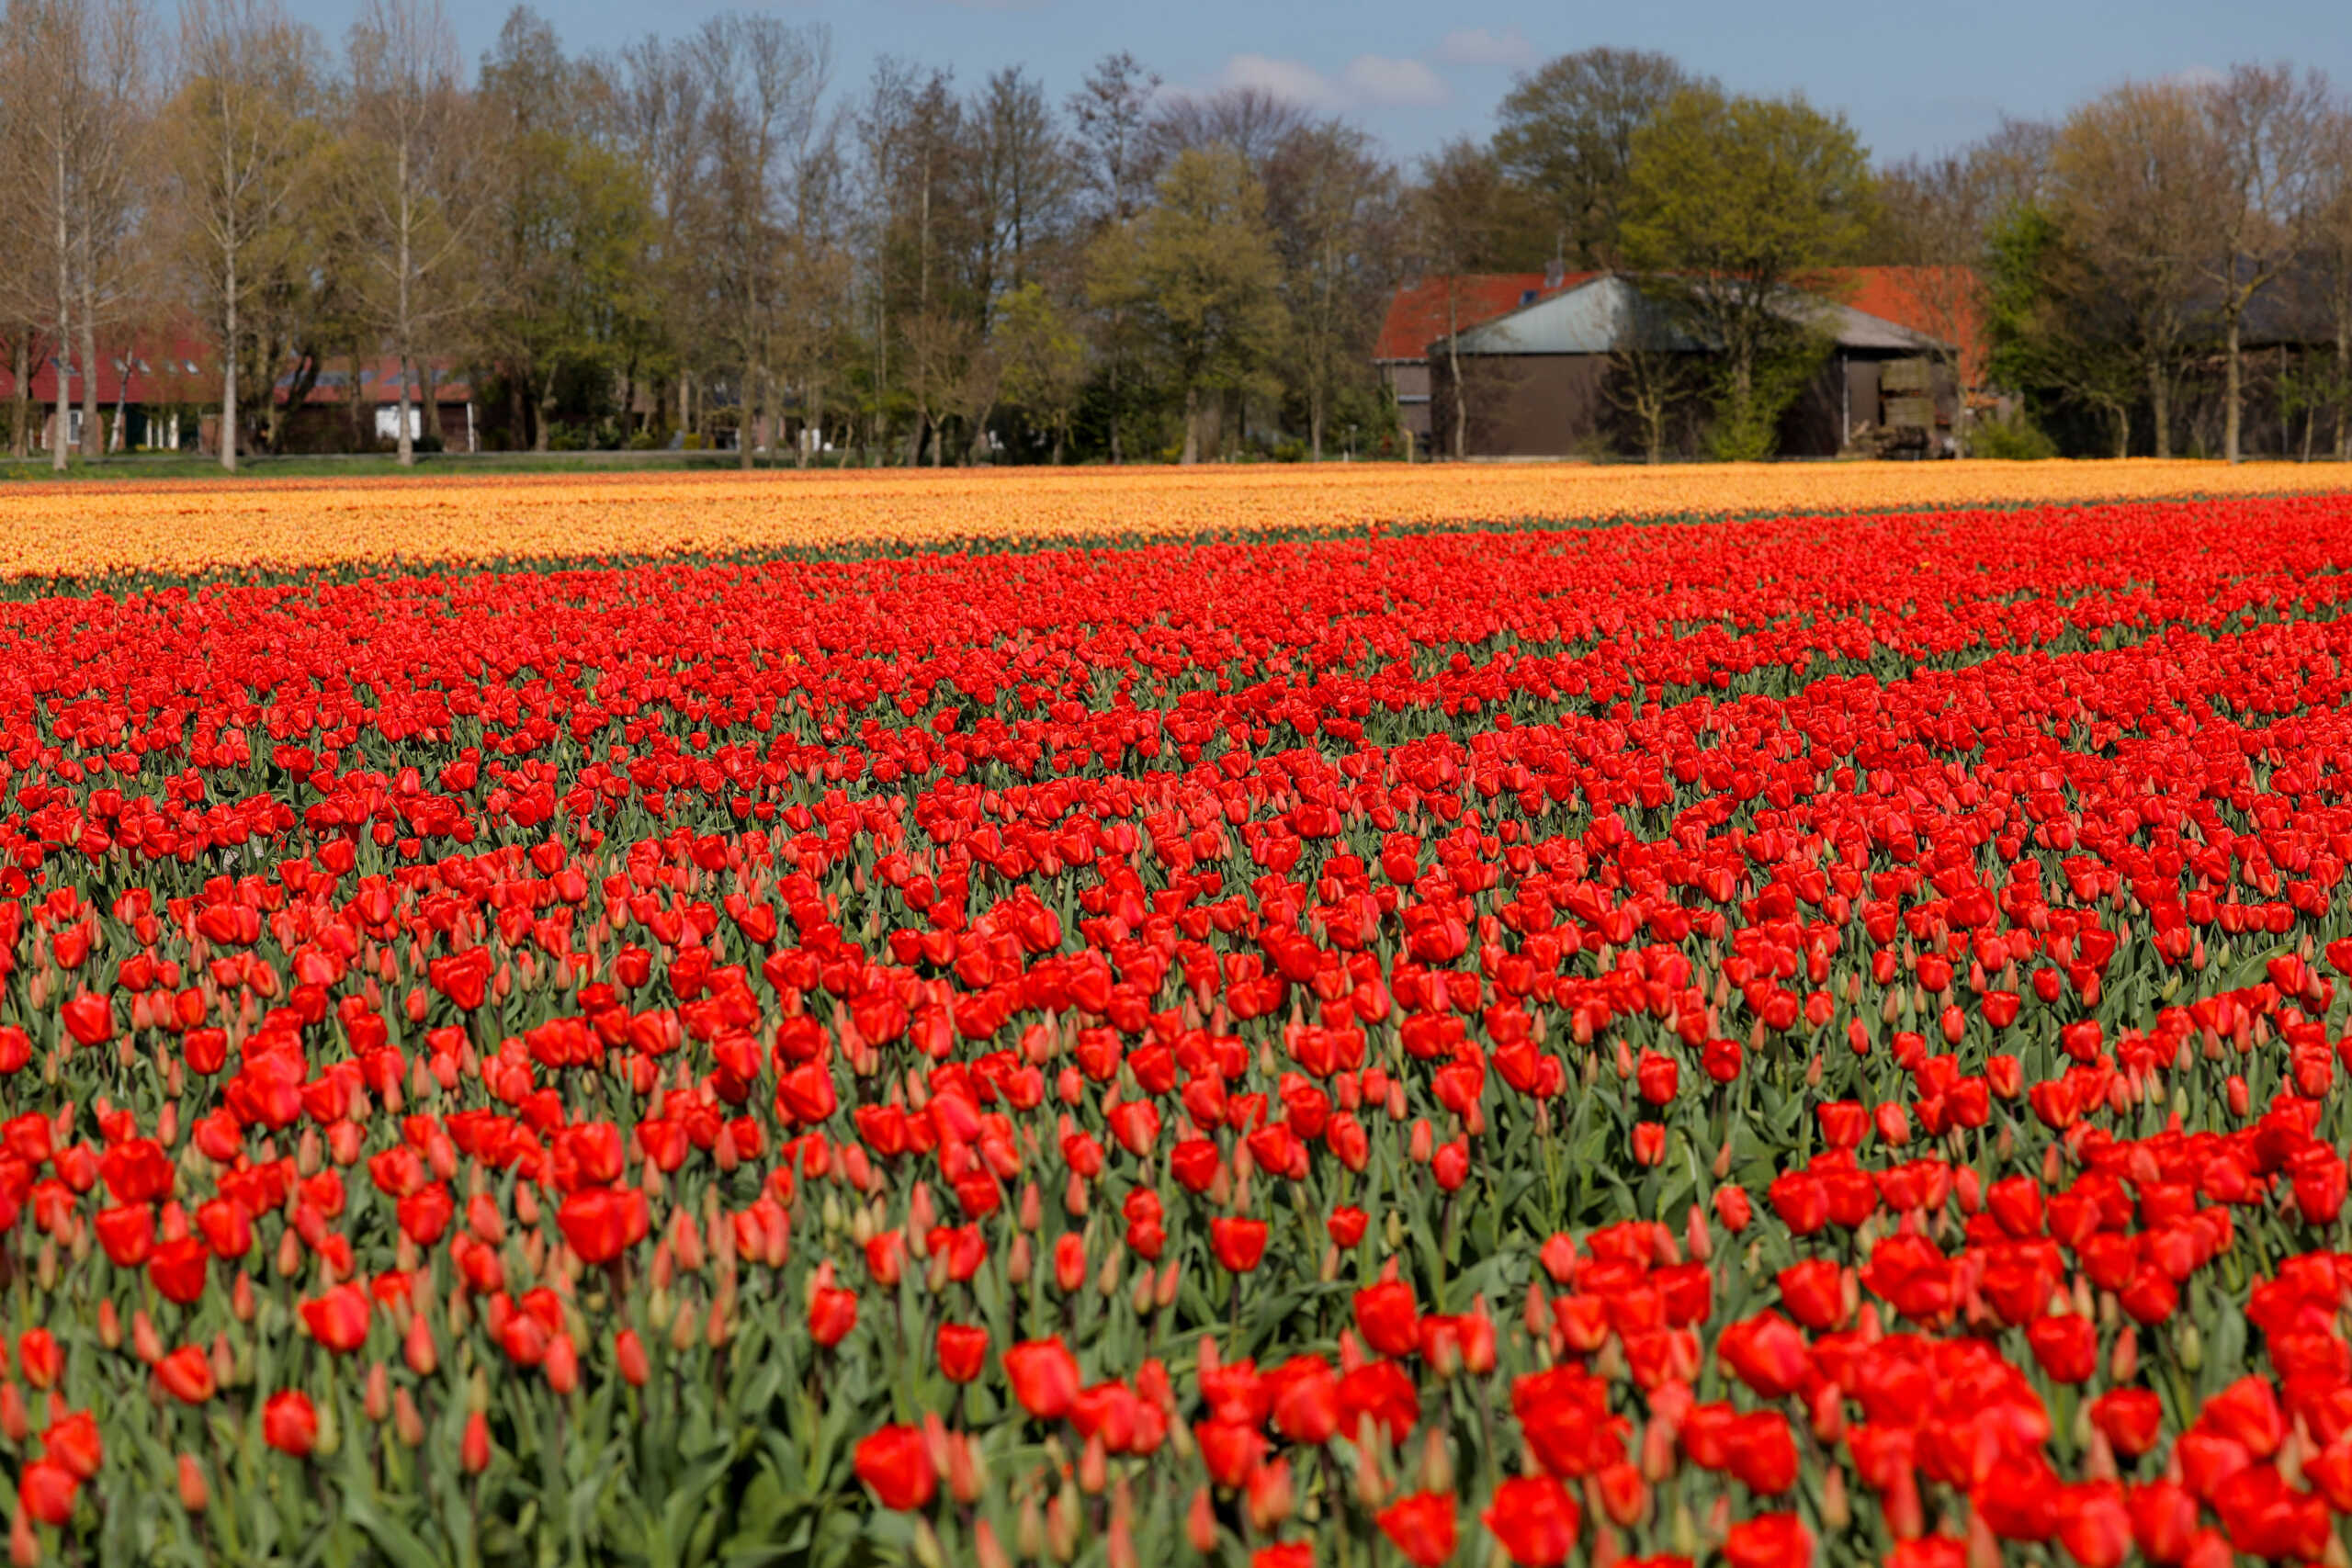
2197	77
1380	81
1289	80
1368	81
1483	46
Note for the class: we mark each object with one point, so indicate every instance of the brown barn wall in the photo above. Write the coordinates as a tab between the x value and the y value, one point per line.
1534	405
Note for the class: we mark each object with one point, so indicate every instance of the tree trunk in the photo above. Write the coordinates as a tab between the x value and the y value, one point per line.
20	435
2232	386
2122	430
64	350
1314	423
2344	386
1191	425
229	372
431	383
747	425
1461	400
2160	409
404	439
94	443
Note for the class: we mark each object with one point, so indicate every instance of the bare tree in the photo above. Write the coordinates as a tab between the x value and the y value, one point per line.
1461	217
2126	171
761	82
1933	215
242	147
1026	181
2330	233
1332	203
2262	144
1565	132
76	71
411	177
1249	120
1111	111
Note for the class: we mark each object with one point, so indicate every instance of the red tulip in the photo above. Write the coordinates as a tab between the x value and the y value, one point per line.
339	1319
895	1465
1239	1244
1387	1317
289	1424
2065	1347
1043	1375
1306	1399
46	1490
187	1375
1769	1540
963	1351
831	1315
178	1269
595	1221
73	1442
1536	1520
1420	1526
2093	1525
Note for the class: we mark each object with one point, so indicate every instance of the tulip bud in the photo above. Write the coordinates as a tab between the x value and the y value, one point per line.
378	1401
1029	1537
1062	1520
473	1451
109	1325
1094	1466
194	1494
1200	1523
1437	1462
406	1419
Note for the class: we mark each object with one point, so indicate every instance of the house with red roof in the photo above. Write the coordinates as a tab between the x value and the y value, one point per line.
336	405
149	389
1433	309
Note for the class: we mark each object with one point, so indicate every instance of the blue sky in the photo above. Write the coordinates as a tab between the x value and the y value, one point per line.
1911	78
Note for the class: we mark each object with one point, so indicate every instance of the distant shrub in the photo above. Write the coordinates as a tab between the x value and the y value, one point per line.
2016	439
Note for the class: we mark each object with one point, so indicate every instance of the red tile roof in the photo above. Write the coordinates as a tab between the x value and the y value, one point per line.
1416	315
1941	302
380	382
181	369
144	369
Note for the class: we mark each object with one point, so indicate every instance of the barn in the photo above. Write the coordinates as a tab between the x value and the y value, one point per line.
1549	378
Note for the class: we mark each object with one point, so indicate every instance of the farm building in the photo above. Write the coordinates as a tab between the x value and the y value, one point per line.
1548	379
330	405
150	392
1434	308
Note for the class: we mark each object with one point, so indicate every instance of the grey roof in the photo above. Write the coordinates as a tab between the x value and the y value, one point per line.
1611	312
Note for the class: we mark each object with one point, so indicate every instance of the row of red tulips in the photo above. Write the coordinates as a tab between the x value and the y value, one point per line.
1794	1041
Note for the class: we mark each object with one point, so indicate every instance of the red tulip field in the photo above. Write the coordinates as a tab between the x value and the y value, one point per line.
1760	1043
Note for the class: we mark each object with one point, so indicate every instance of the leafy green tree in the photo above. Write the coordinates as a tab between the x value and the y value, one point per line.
1733	204
1044	362
565	238
1200	271
2056	329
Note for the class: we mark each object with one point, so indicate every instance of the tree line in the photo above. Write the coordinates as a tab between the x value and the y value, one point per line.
714	240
